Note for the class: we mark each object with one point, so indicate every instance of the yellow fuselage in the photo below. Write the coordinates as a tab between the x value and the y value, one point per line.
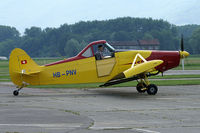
86	70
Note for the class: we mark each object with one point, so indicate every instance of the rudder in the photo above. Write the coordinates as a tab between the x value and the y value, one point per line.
22	68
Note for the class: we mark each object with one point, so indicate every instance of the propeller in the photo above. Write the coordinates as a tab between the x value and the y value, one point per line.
182	46
183	53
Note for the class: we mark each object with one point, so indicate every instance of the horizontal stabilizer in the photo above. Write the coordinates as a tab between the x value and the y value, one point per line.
23	72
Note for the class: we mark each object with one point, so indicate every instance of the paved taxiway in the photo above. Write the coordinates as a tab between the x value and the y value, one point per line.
103	110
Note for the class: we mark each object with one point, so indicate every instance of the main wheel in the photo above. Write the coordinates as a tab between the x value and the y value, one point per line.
152	89
140	87
15	92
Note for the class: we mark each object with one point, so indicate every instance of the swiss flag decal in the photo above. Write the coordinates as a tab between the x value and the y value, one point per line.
24	62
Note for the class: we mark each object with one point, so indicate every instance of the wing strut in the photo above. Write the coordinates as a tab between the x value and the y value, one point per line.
135	59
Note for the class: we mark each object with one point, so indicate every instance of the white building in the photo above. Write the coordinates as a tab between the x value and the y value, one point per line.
3	58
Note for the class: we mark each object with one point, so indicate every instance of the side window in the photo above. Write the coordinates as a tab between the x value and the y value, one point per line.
95	48
87	53
98	55
102	51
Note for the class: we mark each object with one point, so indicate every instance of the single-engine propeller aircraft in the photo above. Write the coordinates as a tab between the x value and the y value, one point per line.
97	62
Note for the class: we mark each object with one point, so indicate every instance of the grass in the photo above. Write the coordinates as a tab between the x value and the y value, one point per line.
91	85
127	84
163	83
6	78
191	63
174	76
4	71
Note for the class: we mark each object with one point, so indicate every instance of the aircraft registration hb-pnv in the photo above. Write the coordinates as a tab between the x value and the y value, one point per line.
115	67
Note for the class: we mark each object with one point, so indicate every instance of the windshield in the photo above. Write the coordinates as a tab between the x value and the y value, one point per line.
111	49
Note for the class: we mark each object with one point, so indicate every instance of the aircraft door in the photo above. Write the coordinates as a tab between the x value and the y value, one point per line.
106	63
105	66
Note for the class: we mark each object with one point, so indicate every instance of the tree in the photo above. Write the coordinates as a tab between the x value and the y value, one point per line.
72	48
7	32
70	39
6	47
195	41
121	36
187	30
147	36
33	32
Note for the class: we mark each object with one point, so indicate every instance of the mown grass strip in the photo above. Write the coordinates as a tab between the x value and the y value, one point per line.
5	80
174	76
187	68
4	77
164	83
127	84
92	85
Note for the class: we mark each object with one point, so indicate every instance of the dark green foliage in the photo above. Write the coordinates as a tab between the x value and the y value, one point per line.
195	41
191	35
68	40
72	47
9	39
7	32
187	30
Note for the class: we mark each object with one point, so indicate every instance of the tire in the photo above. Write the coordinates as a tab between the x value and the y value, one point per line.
16	93
140	86
152	89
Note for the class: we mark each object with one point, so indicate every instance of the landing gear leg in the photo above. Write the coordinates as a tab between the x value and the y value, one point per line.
16	92
150	88
141	86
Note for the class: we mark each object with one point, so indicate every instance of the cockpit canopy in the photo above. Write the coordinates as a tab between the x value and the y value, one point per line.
92	49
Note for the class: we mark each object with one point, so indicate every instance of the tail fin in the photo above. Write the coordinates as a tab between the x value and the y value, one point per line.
22	68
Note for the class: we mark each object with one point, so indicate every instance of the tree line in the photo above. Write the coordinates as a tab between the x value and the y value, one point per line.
68	40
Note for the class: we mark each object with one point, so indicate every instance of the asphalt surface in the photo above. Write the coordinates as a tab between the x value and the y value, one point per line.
100	110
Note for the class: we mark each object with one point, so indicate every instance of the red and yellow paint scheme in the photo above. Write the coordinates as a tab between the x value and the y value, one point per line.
116	67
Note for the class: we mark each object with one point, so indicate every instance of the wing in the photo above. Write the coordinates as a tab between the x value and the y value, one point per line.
135	70
142	68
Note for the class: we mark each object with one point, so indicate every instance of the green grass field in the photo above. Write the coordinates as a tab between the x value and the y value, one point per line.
127	84
191	63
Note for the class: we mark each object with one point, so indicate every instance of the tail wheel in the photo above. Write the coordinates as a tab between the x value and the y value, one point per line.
141	87
15	92
152	89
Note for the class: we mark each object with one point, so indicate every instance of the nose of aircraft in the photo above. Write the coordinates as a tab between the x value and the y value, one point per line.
184	54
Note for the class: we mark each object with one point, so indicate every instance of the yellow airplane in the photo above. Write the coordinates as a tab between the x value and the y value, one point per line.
98	62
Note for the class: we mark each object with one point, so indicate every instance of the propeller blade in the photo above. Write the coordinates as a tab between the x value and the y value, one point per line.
182	45
182	63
